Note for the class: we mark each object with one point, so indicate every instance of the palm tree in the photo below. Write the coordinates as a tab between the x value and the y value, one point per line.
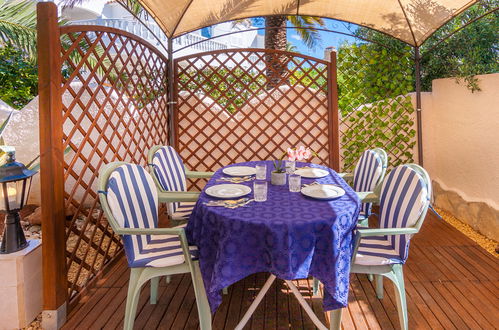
18	25
276	38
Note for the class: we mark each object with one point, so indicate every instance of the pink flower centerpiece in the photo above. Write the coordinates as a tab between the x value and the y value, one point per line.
278	176
299	154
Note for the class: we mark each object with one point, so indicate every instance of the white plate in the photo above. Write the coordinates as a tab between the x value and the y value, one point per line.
312	173
228	190
239	170
323	191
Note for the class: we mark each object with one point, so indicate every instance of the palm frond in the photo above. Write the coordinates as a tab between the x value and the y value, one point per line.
290	47
306	29
18	25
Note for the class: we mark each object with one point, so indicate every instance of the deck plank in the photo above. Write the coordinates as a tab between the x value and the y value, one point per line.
451	283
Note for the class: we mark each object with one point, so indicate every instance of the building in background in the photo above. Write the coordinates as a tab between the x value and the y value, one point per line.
112	14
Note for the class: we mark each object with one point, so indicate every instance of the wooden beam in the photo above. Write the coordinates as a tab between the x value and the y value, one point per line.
52	166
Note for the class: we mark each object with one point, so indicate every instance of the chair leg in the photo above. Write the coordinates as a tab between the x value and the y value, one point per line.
370	277
315	287
379	286
153	298
225	290
201	298
335	319
132	299
397	277
168	279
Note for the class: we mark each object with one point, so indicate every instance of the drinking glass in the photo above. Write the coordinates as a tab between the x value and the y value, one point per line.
294	183
261	172
260	190
290	166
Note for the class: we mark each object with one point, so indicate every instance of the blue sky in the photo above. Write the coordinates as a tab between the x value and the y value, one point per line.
327	38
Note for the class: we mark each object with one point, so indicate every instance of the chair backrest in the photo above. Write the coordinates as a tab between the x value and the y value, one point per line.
369	173
131	198
169	171
404	201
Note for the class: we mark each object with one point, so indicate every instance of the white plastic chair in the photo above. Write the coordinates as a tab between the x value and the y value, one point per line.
404	200
129	199
169	174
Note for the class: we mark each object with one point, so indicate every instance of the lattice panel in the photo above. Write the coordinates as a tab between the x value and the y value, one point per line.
229	111
114	109
374	106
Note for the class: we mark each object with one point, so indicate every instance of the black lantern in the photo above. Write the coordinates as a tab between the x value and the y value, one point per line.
15	182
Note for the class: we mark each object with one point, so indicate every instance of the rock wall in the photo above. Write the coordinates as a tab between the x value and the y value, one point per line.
479	215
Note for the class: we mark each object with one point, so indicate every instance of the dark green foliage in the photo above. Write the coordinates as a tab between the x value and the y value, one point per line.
471	51
375	110
18	77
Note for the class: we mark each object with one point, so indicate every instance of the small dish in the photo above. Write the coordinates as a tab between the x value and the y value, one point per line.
323	191
227	190
311	172
239	170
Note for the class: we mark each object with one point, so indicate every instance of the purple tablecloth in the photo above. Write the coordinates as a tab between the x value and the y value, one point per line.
289	235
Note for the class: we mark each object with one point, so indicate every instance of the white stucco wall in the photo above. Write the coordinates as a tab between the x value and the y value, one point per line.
461	138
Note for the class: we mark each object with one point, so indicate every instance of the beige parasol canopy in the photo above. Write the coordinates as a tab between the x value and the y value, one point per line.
411	21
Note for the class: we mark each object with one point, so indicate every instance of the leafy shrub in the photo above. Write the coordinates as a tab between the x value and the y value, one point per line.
18	77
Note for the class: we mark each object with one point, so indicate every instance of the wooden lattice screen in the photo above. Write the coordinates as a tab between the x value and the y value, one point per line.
114	101
231	108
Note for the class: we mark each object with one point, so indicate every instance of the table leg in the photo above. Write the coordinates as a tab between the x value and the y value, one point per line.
306	306
255	303
335	319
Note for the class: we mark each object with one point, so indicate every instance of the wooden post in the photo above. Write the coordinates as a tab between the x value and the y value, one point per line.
334	126
52	167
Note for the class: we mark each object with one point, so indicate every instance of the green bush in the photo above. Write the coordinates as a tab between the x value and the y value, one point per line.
18	77
375	109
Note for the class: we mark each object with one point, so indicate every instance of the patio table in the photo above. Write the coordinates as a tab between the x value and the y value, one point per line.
290	236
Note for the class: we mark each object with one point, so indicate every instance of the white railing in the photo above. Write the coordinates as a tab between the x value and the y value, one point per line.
140	30
188	39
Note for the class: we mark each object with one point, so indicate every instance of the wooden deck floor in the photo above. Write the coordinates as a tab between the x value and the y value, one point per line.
451	283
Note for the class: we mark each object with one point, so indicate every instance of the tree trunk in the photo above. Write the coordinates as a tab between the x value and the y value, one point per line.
275	38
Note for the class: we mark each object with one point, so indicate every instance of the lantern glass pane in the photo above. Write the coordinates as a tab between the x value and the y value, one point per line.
9	196
20	193
4	204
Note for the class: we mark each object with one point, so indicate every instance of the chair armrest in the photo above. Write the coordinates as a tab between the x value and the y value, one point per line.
198	175
178	196
346	176
368	197
149	231
365	232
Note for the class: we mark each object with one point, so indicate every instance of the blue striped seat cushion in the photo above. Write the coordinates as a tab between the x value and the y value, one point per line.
376	250
133	200
184	211
162	251
366	174
404	195
170	172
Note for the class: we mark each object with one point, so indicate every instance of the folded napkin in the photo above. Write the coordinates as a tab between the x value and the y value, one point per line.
237	179
230	203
